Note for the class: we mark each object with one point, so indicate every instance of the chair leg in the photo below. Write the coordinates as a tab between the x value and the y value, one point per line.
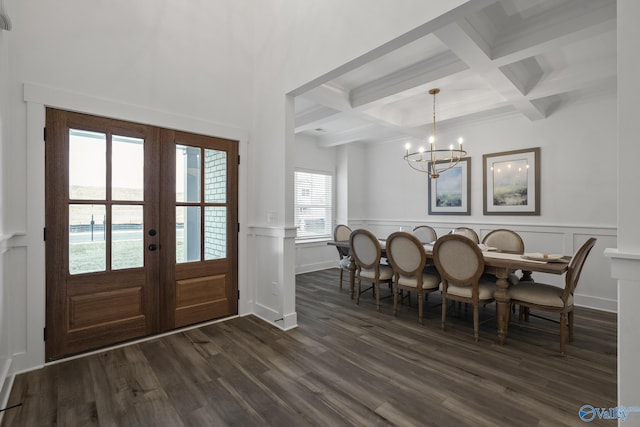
341	271
359	286
571	326
376	287
420	307
563	332
476	321
444	311
395	301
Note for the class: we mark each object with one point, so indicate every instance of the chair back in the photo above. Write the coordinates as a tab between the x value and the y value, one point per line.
458	259
365	248
406	254
466	232
575	267
425	234
505	240
342	232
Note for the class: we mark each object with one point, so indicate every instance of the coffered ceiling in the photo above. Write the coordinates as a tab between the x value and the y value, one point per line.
509	57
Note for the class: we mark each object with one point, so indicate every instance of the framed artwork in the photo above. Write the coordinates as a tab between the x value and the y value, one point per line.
511	182
450	194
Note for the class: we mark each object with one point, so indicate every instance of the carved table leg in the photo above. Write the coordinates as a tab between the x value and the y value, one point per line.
502	304
352	276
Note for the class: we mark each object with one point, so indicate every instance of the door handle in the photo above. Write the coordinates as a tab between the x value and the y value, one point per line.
153	247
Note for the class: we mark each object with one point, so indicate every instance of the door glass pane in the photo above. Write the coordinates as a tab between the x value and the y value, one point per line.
127	168
127	238
215	176
87	248
215	232
187	174
87	165
187	233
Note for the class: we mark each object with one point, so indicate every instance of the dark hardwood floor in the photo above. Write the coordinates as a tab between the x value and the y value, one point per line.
344	365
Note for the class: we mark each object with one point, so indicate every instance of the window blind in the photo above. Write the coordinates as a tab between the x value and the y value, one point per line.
313	204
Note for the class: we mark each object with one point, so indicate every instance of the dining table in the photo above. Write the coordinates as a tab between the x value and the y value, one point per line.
497	263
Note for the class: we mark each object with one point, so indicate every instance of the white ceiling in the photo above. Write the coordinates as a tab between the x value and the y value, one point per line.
507	57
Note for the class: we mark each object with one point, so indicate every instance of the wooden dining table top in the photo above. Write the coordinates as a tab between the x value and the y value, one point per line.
495	258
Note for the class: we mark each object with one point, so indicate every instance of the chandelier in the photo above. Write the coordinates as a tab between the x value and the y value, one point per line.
434	161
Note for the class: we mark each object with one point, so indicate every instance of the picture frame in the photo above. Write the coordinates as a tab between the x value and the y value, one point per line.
511	182
450	193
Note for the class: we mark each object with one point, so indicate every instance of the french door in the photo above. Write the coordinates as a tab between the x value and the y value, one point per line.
141	230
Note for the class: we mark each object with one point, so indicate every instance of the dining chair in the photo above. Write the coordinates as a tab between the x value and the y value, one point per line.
342	232
466	232
425	234
507	241
366	251
408	259
553	298
460	263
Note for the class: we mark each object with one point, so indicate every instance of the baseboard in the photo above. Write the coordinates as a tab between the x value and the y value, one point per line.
596	303
310	268
6	380
285	322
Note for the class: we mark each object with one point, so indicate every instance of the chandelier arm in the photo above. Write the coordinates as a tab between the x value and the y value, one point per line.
427	160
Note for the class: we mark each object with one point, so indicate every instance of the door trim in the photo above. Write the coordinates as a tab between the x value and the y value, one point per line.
31	354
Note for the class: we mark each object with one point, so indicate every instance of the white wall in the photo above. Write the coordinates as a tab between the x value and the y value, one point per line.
164	63
5	359
296	43
578	163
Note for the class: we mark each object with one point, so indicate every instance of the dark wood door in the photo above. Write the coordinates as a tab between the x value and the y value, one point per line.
121	220
199	256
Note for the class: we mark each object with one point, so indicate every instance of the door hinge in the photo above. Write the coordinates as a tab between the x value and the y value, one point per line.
44	133
238	158
238	227
238	294
44	234
44	333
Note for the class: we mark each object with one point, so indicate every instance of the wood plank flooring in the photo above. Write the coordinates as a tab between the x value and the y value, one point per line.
346	365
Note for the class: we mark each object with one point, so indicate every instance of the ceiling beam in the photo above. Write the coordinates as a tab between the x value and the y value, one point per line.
471	48
418	74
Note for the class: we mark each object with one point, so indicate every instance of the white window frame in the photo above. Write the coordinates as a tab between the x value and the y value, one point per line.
304	235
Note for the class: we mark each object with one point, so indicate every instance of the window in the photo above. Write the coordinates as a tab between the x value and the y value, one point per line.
313	204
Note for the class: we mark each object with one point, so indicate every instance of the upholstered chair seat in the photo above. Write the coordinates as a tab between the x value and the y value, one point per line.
408	259
486	290
429	281
386	273
366	251
461	264
540	294
551	298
